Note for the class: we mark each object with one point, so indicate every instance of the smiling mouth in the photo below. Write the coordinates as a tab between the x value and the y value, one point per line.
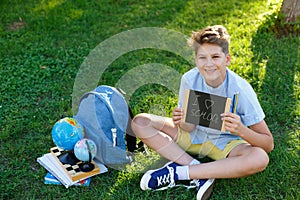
210	70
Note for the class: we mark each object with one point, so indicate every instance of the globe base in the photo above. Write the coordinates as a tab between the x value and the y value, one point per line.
68	157
86	166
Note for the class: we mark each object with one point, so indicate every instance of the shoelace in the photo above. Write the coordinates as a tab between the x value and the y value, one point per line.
199	183
162	180
196	183
193	184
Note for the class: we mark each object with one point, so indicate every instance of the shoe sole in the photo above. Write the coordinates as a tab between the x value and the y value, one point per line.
205	191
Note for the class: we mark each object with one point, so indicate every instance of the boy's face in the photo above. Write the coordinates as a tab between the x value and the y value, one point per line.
211	62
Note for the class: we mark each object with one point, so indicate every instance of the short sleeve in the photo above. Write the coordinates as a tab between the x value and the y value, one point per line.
249	107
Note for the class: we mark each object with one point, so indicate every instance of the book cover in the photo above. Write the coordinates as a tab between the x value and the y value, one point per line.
205	109
49	179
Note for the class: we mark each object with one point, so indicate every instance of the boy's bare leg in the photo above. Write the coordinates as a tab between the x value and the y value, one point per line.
243	160
160	134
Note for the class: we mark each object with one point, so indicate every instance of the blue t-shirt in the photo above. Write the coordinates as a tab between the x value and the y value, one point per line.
248	107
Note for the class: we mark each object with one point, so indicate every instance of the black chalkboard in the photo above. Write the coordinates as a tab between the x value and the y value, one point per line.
205	109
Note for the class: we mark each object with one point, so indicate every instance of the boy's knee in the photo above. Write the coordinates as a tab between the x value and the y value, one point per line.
261	159
141	120
139	124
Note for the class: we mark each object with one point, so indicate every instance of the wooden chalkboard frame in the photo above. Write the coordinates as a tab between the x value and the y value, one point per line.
205	109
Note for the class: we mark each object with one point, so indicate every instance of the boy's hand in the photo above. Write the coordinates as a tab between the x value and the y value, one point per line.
232	123
177	116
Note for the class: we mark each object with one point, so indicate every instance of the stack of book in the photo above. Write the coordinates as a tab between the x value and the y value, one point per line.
66	174
49	179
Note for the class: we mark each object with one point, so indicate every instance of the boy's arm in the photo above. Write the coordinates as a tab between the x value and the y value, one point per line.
257	135
260	135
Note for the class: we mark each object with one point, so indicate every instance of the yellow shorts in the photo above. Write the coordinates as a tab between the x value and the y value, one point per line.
206	149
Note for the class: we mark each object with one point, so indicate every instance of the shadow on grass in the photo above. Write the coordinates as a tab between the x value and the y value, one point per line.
276	59
275	63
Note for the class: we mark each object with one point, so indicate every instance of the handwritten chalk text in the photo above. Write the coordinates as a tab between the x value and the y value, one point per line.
208	116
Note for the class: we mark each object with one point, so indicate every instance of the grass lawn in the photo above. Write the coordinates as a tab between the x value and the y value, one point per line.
44	43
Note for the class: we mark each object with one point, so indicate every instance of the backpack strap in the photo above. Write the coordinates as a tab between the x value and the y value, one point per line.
130	136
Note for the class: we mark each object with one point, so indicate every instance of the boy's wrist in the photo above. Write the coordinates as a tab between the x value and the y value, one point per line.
187	126
243	131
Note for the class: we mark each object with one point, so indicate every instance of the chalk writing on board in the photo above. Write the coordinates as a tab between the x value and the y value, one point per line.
205	109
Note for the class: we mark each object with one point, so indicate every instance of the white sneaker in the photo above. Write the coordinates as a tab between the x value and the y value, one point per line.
161	178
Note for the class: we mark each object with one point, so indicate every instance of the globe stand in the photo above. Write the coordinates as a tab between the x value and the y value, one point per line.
68	157
87	166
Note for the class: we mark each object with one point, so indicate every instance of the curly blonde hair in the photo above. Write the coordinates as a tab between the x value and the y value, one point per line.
216	34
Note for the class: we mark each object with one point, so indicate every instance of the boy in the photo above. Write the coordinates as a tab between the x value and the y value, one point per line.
238	152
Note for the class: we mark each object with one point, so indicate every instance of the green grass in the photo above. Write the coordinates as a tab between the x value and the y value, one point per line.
44	43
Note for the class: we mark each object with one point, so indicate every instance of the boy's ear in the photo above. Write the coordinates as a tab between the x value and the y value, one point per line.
228	58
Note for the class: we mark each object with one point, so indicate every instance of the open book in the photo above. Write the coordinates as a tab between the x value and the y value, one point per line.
205	109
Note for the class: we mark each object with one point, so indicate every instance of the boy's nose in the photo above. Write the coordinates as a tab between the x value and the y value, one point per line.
210	62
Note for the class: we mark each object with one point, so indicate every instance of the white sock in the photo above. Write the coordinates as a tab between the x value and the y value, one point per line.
183	172
195	162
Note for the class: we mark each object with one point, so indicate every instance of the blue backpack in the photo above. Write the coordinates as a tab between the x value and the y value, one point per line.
105	115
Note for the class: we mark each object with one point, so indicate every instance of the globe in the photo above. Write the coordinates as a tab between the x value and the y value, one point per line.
85	150
66	132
